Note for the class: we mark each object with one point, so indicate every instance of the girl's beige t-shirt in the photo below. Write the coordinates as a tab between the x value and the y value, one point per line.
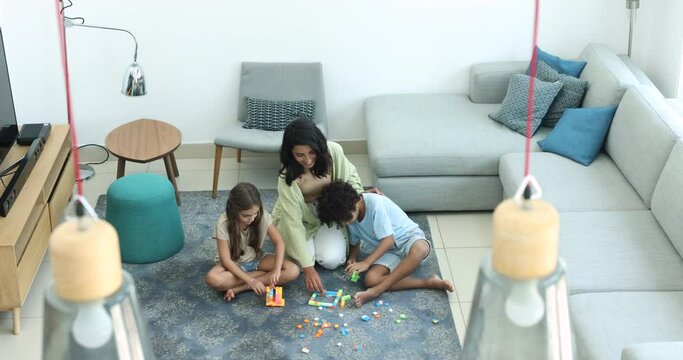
220	232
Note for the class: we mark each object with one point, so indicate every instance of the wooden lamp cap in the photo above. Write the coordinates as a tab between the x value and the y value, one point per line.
86	262
525	239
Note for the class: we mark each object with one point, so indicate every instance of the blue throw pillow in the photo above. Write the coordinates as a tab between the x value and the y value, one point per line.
567	67
580	133
513	110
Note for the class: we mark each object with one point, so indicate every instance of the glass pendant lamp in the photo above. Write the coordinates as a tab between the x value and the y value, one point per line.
520	308
91	309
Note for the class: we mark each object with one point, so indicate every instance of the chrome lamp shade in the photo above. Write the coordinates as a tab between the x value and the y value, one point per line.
134	81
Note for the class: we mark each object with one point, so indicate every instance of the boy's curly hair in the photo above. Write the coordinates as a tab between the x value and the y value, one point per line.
336	203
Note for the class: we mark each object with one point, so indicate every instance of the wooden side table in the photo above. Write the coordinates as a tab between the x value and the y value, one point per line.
146	140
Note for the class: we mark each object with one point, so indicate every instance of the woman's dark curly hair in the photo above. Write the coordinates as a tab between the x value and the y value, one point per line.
303	131
337	202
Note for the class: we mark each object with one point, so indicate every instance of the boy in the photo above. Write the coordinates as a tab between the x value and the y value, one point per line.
399	243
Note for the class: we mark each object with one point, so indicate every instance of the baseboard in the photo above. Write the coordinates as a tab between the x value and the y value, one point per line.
208	150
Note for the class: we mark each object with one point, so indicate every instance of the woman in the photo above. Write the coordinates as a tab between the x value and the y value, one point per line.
309	163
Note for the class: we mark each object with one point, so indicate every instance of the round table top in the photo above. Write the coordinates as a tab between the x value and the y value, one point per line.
143	140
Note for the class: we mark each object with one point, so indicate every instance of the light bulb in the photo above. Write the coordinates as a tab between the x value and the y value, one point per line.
524	307
92	327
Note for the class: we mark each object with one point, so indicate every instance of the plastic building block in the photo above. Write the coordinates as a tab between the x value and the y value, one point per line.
402	316
305	350
344	331
338	344
365	318
302	336
355	276
334	296
274	296
299	326
435	321
398	321
346	297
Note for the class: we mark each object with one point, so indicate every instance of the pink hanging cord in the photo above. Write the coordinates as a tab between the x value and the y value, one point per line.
532	86
69	111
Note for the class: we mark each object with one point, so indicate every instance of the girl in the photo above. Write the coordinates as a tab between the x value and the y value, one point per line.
309	163
239	233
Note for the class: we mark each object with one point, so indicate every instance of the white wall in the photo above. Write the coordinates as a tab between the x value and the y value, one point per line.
658	42
191	51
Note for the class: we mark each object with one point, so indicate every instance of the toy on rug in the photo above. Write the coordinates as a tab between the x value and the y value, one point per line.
355	276
331	295
274	296
343	302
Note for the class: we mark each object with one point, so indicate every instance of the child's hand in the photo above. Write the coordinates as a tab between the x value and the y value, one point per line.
275	277
257	286
360	266
350	261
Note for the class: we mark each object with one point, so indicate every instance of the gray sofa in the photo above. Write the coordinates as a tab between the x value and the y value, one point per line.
621	230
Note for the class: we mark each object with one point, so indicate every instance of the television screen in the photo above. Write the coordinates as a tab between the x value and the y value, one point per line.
8	119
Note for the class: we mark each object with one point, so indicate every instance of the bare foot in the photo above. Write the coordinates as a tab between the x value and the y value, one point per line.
362	297
229	295
440	283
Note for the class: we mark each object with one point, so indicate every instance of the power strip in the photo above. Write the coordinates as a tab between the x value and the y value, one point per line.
26	164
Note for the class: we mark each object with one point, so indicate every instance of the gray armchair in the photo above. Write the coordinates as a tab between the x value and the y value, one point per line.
270	81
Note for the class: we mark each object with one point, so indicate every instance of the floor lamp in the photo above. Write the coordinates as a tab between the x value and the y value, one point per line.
632	6
133	82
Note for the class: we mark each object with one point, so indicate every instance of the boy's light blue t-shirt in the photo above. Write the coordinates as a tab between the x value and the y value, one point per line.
382	218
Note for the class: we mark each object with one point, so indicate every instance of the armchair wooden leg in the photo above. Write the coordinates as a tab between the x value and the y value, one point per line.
216	170
16	320
239	155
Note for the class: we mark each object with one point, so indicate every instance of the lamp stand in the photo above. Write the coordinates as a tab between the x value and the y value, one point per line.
632	6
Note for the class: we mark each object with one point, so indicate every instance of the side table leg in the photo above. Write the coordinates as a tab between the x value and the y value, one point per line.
16	320
175	166
121	169
171	177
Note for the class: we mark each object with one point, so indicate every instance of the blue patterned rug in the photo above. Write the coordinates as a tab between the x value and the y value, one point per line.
188	320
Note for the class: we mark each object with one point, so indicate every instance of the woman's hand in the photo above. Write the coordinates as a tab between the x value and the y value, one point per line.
257	286
360	266
313	282
374	190
275	277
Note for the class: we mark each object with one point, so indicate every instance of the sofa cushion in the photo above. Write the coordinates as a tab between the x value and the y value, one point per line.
567	67
570	95
605	323
608	77
618	251
452	136
641	137
665	350
513	111
580	134
667	200
570	186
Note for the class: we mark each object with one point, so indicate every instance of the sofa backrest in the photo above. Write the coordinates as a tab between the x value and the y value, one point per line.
489	81
640	139
667	200
608	77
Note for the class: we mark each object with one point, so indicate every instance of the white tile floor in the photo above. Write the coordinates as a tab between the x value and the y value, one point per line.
460	239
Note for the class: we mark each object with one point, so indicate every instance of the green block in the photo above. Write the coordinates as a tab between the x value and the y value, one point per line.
143	209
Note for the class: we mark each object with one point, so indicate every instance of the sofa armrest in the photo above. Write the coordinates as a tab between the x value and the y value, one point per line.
489	81
653	351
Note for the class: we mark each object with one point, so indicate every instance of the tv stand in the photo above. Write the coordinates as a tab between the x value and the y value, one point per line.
37	209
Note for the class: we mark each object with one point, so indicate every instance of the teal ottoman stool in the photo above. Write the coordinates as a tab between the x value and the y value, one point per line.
142	208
